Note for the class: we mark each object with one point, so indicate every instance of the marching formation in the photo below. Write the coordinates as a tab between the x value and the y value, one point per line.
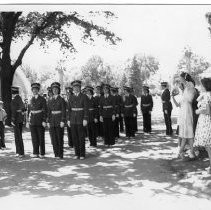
101	113
89	113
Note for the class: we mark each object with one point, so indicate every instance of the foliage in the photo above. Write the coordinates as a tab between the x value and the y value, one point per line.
139	69
95	72
191	63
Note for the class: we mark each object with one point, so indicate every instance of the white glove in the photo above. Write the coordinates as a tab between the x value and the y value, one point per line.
113	117
95	120
122	115
101	119
44	124
166	111
12	124
48	125
134	115
117	115
27	125
84	123
62	124
68	123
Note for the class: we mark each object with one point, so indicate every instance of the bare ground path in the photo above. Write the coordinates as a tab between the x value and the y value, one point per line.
140	173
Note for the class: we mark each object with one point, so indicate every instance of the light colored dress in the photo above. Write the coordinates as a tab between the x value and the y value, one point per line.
203	129
186	112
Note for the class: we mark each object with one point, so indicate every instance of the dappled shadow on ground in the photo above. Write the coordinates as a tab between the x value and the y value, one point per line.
144	161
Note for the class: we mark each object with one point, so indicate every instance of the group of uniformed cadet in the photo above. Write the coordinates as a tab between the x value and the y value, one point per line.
93	113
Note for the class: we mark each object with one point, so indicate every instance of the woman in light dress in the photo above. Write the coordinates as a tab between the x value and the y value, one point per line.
203	128
186	132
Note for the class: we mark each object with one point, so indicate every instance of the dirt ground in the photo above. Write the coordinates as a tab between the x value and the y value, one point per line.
140	173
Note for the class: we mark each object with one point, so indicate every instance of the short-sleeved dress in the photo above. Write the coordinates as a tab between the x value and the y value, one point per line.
203	128
186	112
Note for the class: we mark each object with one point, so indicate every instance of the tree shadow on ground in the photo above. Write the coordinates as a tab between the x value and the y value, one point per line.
131	163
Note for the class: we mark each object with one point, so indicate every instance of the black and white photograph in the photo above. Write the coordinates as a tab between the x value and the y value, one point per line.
105	105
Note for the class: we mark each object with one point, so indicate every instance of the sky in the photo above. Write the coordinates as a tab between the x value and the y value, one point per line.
158	30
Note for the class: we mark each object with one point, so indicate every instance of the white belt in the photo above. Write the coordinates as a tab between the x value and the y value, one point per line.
77	109
107	107
36	111
56	112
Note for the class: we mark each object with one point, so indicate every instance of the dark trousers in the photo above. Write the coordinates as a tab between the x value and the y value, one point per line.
116	127
78	139
18	138
38	139
2	141
109	138
121	124
167	118
129	126
99	129
69	136
92	134
57	135
147	122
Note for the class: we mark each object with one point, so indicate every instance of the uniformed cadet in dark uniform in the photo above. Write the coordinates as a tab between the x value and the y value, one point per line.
49	94
69	93
77	119
56	120
129	112
107	115
37	121
121	121
92	116
99	125
117	110
146	109
17	114
135	119
167	107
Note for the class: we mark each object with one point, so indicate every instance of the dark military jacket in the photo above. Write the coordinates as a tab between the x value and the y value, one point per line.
17	110
107	106
129	105
77	108
92	109
165	97
117	99
97	101
56	105
37	110
146	103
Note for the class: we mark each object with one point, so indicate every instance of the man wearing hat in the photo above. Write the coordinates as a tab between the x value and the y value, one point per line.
107	115
77	119
98	125
167	107
117	100
92	116
129	112
56	120
17	117
135	119
69	93
49	94
3	116
146	109
37	110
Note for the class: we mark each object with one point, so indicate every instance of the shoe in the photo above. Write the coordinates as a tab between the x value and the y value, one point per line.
21	156
82	158
75	157
42	156
35	156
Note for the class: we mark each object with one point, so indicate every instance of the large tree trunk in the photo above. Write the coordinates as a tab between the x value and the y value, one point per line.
6	83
